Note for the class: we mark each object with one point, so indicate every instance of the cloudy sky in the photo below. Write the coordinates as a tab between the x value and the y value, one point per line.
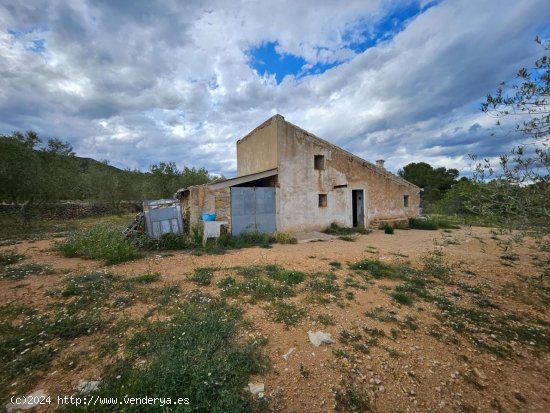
139	82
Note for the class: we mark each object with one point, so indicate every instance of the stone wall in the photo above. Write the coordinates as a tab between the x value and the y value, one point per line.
199	199
300	185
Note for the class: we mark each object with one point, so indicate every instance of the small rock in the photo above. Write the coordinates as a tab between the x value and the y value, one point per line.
317	338
455	374
288	353
33	399
377	381
381	389
479	374
87	386
256	388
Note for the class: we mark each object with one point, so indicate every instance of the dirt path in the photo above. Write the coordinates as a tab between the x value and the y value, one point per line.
416	359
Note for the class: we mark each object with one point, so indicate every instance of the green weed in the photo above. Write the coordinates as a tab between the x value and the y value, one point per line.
203	275
290	277
335	229
335	265
326	319
147	278
198	351
19	271
10	257
285	313
99	243
351	397
402	297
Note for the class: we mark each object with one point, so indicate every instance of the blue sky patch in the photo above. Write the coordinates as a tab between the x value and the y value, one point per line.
38	46
265	59
389	26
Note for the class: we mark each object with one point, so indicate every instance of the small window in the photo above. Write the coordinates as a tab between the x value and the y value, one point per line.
406	201
322	200
319	162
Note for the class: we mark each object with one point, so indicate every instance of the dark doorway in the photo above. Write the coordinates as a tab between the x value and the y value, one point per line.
358	207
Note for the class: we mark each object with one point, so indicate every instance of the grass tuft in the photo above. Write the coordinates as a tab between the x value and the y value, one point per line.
10	257
285	313
203	275
335	229
197	351
99	243
19	271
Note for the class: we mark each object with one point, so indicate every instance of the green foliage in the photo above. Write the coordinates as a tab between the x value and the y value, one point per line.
257	283
351	398
402	297
290	277
283	237
515	193
147	278
434	181
324	283
203	275
99	243
244	240
197	351
326	319
434	266
19	271
335	265
31	175
379	269
282	312
166	178
388	229
335	229
431	224
168	241
10	257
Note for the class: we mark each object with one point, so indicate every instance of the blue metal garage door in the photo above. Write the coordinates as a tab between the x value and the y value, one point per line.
252	209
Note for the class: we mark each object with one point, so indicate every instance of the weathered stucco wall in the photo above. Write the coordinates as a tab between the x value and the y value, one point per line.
201	198
257	151
300	185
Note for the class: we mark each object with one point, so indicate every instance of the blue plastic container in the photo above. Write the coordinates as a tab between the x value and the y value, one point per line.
208	217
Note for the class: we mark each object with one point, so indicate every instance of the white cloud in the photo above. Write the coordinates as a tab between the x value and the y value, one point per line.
173	79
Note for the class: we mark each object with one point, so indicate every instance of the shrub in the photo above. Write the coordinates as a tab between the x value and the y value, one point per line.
283	237
402	297
285	313
416	223
335	229
244	240
430	225
198	351
147	278
388	229
10	257
18	271
99	243
287	276
203	275
379	269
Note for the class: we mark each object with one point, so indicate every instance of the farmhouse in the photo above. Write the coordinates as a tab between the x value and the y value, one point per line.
291	180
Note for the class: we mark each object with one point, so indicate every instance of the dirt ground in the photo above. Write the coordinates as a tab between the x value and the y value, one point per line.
419	360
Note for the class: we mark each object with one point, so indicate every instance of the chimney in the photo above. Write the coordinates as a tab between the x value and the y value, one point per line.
380	163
